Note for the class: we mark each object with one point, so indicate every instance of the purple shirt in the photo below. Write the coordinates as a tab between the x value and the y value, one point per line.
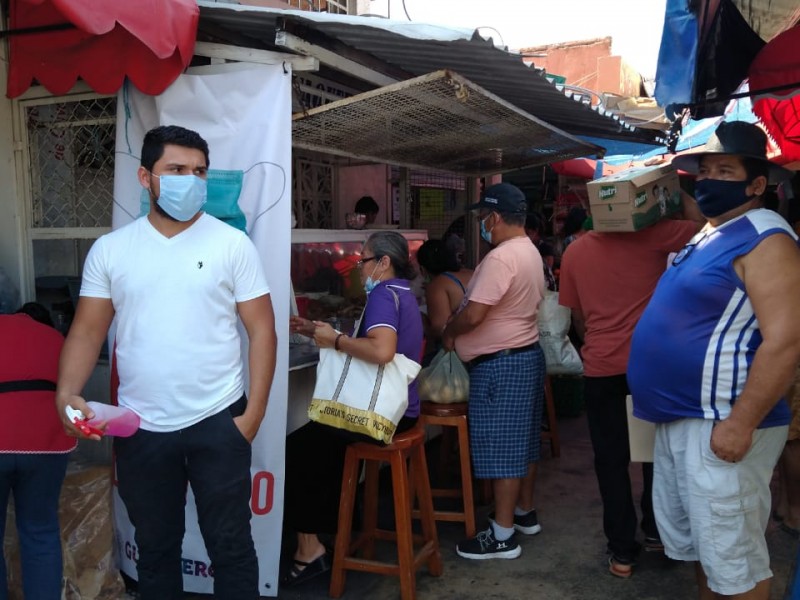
382	311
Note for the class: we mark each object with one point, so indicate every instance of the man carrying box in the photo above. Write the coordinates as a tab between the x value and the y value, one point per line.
607	280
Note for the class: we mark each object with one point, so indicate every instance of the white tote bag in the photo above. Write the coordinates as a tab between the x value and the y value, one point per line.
362	397
560	355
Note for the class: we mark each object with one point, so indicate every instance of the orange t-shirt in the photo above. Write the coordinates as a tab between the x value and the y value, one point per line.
609	277
510	279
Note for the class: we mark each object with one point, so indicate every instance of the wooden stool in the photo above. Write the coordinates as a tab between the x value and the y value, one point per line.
453	415
407	446
552	434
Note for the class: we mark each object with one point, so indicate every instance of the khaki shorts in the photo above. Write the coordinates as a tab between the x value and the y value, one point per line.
711	510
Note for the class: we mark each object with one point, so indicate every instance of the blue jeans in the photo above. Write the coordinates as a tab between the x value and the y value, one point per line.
35	481
153	470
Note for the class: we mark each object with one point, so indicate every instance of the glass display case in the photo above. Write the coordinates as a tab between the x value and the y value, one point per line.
325	280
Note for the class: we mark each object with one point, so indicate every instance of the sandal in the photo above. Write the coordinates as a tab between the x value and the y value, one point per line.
301	570
619	569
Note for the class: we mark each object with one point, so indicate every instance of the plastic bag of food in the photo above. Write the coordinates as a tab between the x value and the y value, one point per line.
445	380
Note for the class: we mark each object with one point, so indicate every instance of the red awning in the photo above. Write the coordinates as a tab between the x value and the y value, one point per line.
102	41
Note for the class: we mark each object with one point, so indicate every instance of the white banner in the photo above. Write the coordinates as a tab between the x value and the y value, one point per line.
244	115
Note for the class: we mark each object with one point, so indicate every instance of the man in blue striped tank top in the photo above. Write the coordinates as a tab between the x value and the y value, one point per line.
710	359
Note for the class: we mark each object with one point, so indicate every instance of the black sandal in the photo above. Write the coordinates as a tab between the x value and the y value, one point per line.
301	570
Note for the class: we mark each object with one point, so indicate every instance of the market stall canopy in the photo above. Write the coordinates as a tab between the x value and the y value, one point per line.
378	52
54	42
440	120
708	45
777	69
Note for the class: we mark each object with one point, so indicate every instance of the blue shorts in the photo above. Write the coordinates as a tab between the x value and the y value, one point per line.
505	414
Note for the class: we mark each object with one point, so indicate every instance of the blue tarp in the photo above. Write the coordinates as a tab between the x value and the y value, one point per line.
677	55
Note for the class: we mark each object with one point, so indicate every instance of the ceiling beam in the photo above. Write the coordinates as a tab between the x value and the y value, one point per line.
254	55
294	43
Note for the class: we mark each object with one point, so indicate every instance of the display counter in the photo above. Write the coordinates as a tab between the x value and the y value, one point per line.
326	287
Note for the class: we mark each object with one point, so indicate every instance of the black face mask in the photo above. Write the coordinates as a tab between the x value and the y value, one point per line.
716	197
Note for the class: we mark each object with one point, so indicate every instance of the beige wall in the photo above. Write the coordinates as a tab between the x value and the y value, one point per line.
366	180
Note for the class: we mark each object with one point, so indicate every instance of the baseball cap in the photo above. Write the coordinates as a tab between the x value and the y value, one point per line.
503	198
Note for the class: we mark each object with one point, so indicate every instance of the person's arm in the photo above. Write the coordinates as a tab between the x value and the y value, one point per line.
79	356
468	319
378	347
771	276
438	304
259	322
579	322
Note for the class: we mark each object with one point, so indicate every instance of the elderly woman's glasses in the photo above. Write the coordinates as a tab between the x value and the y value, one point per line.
364	261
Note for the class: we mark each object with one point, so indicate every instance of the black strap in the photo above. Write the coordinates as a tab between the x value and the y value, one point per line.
28	385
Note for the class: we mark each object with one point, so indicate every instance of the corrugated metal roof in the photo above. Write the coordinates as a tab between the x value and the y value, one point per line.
495	70
439	120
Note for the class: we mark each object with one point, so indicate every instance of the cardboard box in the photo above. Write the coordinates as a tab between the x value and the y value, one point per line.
634	199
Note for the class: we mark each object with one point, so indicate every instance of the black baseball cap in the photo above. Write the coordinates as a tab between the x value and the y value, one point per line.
503	198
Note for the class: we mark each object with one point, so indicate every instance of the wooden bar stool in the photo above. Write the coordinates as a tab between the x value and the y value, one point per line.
552	434
406	447
453	415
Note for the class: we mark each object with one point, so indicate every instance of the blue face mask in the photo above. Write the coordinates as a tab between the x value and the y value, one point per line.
182	196
370	284
716	197
485	235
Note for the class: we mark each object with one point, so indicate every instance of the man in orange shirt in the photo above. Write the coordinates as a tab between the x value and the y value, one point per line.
607	280
496	334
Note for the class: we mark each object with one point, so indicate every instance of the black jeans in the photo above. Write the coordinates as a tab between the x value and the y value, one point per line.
608	427
153	470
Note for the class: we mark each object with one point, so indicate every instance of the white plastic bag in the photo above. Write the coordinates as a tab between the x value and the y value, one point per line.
445	380
560	355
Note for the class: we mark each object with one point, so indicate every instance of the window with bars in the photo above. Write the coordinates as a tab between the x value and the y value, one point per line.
69	165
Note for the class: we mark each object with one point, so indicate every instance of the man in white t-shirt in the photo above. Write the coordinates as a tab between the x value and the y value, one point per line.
176	282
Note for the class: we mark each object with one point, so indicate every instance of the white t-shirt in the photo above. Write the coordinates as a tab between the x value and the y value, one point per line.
178	348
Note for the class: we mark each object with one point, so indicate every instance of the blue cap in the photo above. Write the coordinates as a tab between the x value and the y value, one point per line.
503	198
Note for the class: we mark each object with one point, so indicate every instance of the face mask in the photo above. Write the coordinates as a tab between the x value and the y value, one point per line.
370	284
182	196
716	197
485	235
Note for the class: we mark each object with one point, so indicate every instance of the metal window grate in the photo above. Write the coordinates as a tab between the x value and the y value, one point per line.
71	147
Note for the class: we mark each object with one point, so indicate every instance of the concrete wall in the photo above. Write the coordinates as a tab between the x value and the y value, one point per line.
366	180
615	76
577	61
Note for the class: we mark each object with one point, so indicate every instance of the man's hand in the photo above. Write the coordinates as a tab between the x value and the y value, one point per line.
247	427
730	441
448	342
77	403
301	326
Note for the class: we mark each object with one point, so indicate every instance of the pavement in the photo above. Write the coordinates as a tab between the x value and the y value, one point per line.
567	560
